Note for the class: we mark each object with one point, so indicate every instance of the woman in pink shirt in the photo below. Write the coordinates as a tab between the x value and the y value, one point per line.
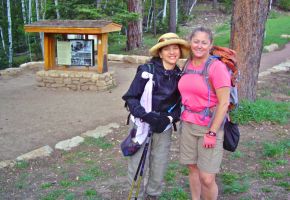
205	107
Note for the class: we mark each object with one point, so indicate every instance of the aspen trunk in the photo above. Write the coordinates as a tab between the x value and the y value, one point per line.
164	10
10	42
23	11
56	9
2	38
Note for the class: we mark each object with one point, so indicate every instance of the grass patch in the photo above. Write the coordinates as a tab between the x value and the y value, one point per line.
284	184
22	164
267	164
67	183
237	154
234	183
173	194
91	174
275	149
265	174
69	196
275	27
92	194
222	35
101	142
46	185
55	194
267	190
261	110
21	182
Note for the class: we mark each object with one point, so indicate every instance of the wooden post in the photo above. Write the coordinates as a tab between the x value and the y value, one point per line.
102	53
49	51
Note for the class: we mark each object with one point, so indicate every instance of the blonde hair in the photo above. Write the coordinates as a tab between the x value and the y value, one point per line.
200	29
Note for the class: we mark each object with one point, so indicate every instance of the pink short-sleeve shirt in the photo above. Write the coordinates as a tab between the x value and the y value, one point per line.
194	91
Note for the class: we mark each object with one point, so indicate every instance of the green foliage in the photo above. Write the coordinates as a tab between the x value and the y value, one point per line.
101	142
271	174
283	184
261	110
18	60
234	183
237	154
92	173
275	149
23	164
69	196
227	6
275	27
46	185
91	192
175	193
86	12
21	182
55	194
67	183
222	35
284	4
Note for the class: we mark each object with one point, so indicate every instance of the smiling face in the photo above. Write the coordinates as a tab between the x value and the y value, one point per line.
170	55
200	45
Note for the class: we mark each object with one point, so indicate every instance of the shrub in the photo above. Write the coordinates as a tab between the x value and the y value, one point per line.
284	4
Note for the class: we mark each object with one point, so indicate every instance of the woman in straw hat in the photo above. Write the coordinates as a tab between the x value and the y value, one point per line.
161	113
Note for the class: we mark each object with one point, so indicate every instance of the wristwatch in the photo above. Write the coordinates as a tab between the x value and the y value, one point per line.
211	133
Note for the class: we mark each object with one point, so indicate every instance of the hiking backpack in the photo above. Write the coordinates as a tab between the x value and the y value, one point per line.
228	57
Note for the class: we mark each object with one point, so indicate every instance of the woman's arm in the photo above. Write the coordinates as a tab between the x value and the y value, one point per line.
134	93
223	96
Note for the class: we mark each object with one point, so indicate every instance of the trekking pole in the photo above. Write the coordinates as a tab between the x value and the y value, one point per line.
140	166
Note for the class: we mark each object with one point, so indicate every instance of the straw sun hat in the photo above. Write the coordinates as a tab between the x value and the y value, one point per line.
167	39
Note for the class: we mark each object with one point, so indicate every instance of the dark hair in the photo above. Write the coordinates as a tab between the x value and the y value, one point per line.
202	29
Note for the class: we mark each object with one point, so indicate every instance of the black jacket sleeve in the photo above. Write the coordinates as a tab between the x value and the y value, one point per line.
134	93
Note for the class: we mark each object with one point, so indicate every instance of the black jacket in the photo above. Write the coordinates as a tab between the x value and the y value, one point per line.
165	91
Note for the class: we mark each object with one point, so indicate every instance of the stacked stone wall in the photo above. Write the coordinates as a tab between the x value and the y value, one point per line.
76	80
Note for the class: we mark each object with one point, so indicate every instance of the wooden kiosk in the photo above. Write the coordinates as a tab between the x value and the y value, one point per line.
62	28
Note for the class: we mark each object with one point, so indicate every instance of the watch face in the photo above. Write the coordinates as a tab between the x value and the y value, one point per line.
211	133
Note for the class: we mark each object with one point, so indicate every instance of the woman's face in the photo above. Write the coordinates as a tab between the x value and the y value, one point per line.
170	54
200	44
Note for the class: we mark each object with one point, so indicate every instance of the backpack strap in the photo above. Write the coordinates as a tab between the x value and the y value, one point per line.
205	73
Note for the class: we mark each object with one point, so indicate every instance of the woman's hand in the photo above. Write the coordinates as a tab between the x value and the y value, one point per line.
209	140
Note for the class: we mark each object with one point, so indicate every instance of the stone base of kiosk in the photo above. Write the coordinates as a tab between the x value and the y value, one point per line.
75	80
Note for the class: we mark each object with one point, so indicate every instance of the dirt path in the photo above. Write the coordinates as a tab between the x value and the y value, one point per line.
31	117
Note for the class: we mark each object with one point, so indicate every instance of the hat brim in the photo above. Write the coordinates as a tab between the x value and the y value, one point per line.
184	46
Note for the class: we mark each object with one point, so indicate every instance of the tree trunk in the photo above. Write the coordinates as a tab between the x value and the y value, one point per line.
214	4
23	11
148	16
247	34
10	42
191	7
176	11
40	34
134	34
172	16
164	10
98	3
154	18
29	11
2	38
56	9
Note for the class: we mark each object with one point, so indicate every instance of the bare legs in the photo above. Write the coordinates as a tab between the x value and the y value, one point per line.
202	184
